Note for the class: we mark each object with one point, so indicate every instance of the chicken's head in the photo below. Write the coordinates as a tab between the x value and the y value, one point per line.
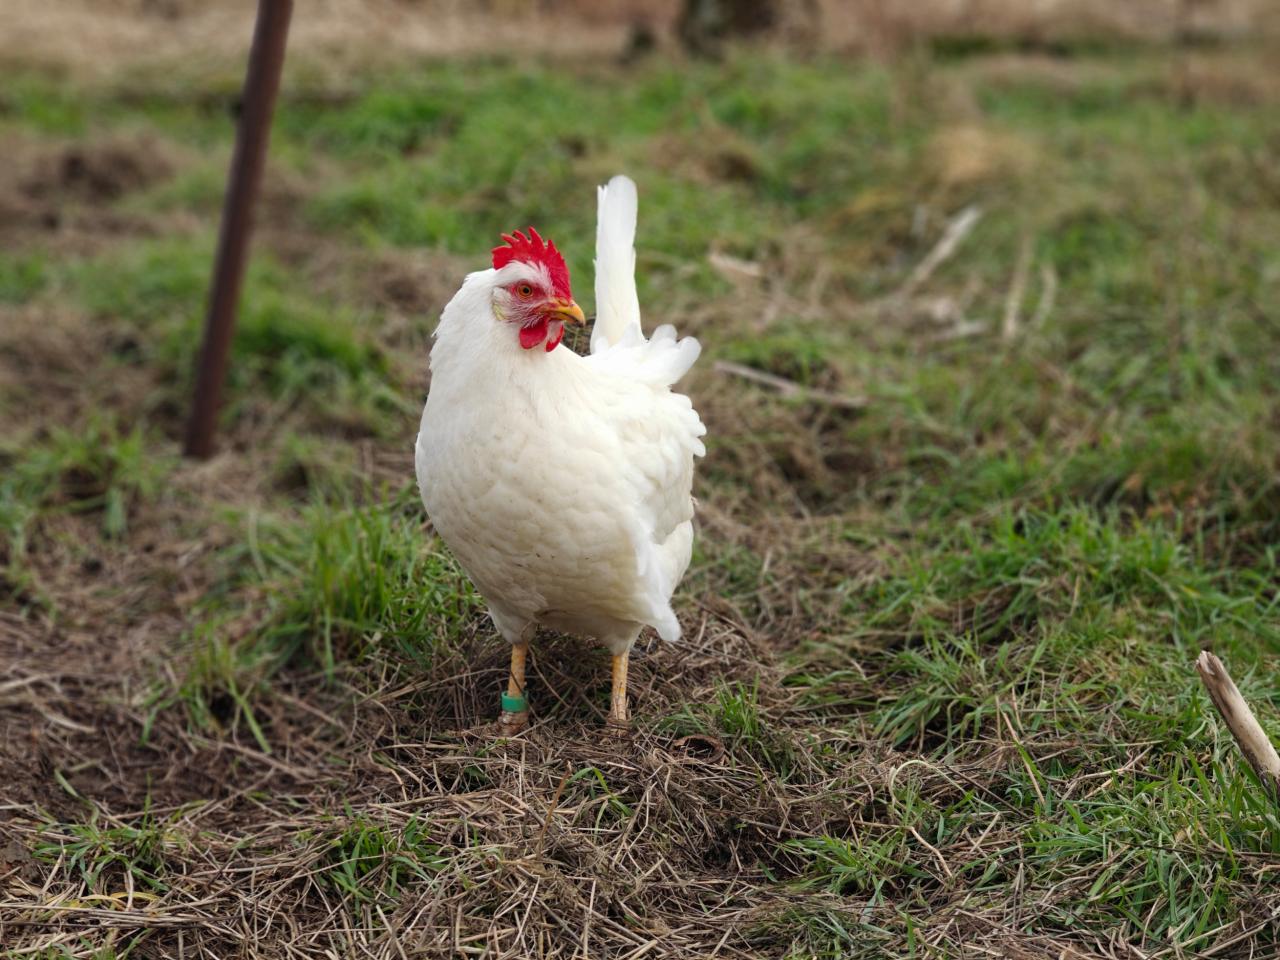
531	292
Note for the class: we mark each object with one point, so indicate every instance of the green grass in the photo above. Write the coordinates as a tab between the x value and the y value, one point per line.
102	855
947	637
735	716
330	585
370	861
342	581
98	468
21	278
300	351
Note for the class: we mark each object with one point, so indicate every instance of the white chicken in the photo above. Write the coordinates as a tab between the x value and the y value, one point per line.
562	482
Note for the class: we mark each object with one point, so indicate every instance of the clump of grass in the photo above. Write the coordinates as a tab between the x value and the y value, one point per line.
222	676
315	464
383	121
98	468
860	865
818	933
802	358
303	354
22	277
737	717
36	103
195	189
1003	574
332	585
1017	608
346	582
152	286
1138	851
100	854
589	784
371	862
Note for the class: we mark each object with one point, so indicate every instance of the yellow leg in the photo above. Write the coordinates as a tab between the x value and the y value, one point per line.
515	709
515	682
618	700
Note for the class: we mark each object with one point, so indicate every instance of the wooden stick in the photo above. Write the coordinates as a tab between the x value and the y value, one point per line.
1048	292
1017	289
956	231
1253	740
262	83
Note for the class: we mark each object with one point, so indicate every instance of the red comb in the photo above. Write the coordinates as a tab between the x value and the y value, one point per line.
534	250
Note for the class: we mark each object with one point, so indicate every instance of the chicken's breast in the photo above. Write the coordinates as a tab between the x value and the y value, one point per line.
565	492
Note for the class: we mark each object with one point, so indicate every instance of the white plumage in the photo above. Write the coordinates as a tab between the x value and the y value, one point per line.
562	483
617	304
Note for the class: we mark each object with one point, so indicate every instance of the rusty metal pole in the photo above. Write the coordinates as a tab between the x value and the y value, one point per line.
261	84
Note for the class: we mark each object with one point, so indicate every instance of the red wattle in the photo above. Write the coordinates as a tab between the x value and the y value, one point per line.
557	334
533	334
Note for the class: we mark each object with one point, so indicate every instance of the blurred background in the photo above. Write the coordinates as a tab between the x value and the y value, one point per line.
988	292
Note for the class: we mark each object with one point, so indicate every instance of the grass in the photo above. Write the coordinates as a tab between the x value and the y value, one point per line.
330	585
21	278
366	857
97	469
944	639
303	352
109	857
359	578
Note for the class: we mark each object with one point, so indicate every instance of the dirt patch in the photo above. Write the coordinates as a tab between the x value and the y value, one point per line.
98	172
58	366
65	197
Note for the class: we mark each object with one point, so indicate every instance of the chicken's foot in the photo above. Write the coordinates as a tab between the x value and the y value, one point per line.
515	708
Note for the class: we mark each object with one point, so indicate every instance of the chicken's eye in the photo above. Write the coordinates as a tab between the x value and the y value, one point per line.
524	291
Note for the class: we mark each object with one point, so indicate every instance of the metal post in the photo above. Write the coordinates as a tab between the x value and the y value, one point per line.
262	82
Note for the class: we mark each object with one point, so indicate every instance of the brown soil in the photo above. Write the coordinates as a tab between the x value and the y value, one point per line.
63	197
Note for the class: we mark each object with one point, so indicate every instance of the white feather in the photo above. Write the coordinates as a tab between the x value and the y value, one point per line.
617	305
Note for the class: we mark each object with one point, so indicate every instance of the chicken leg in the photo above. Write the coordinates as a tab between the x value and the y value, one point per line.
515	708
618	718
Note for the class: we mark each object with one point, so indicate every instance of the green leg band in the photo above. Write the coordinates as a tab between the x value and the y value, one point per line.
516	704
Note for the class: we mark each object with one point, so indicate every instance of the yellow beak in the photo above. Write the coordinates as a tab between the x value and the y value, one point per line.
565	311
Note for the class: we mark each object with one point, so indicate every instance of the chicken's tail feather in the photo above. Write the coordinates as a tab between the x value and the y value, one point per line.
617	306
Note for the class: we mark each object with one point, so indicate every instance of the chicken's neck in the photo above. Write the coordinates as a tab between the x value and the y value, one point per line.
475	353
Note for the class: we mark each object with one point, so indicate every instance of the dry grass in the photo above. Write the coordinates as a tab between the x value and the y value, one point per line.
105	39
